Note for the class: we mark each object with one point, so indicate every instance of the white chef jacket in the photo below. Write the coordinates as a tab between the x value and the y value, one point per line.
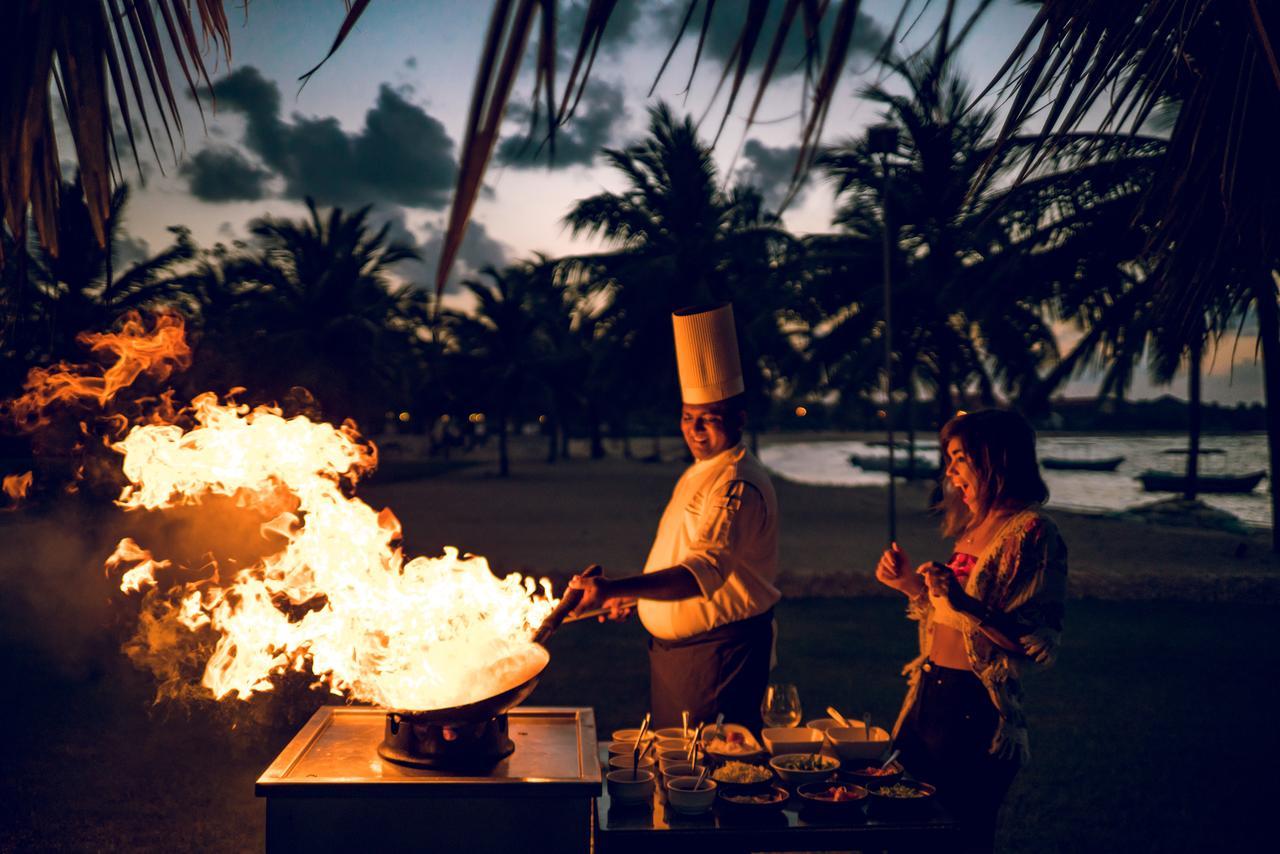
722	525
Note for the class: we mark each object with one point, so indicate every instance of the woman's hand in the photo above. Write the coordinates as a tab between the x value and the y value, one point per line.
894	570
943	584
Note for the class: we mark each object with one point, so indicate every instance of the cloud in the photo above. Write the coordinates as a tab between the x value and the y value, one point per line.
223	174
769	169
402	155
478	250
620	30
577	143
128	249
726	26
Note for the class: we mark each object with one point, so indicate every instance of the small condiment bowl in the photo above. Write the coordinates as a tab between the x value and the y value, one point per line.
674	743
624	761
784	739
628	788
672	732
618	748
680	769
852	745
630	735
672	757
687	797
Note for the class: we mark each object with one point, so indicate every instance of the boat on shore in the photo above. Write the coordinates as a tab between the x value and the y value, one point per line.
924	469
1069	464
1164	481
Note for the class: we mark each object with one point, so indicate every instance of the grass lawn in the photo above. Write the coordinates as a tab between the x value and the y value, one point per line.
1152	733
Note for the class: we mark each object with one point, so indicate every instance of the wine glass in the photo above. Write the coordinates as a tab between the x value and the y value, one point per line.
781	705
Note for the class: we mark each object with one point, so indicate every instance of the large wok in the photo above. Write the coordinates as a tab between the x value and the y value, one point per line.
490	707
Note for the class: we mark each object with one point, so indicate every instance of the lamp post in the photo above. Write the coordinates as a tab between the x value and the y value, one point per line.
883	140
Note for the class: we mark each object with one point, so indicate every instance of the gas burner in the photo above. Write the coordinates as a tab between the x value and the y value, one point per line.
465	746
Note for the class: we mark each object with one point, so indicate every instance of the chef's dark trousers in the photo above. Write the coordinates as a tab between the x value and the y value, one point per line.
723	670
945	740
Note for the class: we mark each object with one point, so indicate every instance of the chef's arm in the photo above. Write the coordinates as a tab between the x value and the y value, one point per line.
665	585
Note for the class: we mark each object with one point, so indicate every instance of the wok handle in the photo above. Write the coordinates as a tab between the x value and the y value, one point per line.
568	602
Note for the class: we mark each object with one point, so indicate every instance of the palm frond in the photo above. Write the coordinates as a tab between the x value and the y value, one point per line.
93	62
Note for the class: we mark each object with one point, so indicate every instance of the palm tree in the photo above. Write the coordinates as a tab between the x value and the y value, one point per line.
678	241
975	261
337	321
85	287
504	344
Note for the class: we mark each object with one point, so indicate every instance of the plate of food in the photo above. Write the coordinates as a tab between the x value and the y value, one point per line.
804	767
832	798
731	741
871	774
734	777
766	800
905	797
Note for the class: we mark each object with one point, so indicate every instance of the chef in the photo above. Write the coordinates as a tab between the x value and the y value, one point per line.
707	592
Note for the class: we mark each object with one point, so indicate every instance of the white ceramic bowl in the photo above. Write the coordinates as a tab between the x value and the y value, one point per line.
821	724
851	742
624	788
672	732
673	743
672	757
796	776
630	735
783	739
624	761
618	748
680	769
684	798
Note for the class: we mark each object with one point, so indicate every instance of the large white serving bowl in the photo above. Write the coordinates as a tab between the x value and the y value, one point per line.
628	788
785	739
851	743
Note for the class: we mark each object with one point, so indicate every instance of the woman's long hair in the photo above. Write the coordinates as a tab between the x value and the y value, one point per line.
1001	447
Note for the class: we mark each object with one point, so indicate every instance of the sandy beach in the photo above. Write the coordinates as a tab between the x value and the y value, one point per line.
555	519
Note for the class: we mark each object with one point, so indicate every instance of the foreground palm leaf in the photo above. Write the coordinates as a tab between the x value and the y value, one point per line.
96	55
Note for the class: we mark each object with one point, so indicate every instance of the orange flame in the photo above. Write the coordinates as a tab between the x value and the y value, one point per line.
339	598
157	352
17	485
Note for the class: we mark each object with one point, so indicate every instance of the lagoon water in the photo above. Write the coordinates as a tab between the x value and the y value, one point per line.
827	462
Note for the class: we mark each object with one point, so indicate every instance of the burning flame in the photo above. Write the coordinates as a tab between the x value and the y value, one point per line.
157	352
339	597
16	485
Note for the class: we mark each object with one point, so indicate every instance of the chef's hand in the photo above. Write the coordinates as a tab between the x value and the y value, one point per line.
894	570
596	594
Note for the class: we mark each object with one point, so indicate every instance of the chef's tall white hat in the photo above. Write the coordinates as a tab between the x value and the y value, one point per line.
707	354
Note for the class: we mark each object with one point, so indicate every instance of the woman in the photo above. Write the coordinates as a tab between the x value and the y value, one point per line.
994	608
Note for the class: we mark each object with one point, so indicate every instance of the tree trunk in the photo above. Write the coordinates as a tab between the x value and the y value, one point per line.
1193	412
911	426
504	467
593	430
1269	335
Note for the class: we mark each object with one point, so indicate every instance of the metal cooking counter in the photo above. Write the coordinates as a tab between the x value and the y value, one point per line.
329	789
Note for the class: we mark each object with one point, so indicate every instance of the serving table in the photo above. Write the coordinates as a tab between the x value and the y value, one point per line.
652	826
